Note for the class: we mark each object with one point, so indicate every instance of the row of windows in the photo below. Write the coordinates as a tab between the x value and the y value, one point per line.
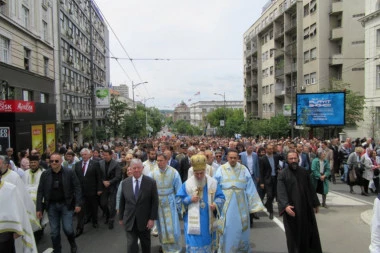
310	8
268	107
267	37
267	89
267	72
310	31
310	78
310	55
74	81
5	55
80	62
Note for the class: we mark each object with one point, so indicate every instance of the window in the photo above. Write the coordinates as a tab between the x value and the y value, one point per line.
27	95
25	16
271	34
358	69
271	88
46	66
313	6
271	53
271	70
313	78
26	58
306	79
358	15
306	32
43	98
45	30
378	37
378	77
4	49
358	42
313	30
313	54
339	23
306	10
306	56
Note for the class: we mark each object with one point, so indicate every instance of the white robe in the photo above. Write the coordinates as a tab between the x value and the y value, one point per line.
13	178
14	218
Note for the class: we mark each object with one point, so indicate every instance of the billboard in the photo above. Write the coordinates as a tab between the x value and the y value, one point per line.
17	106
37	138
321	109
102	97
50	137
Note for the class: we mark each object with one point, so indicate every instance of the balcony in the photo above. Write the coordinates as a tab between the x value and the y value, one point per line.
279	33
248	67
254	65
336	33
336	59
290	68
279	71
278	52
336	7
255	97
279	92
291	25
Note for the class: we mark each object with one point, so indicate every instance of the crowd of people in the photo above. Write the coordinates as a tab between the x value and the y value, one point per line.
215	185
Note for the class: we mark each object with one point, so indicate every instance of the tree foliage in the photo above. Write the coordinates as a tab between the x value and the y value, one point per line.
183	127
115	115
354	102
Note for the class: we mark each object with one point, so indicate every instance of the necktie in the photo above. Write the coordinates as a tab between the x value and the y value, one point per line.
137	188
84	167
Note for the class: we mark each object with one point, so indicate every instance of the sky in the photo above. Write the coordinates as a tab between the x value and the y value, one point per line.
201	42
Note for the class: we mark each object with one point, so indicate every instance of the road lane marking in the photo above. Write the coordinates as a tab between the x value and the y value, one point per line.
349	197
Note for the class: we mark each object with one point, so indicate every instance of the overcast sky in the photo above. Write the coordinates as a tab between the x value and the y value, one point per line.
202	38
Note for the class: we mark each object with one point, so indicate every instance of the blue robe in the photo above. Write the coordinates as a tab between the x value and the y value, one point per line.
241	200
202	243
168	226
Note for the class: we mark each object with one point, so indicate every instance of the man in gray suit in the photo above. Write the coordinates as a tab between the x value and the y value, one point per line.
111	176
138	207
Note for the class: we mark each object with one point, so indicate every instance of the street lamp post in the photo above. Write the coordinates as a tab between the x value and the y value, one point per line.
224	106
146	112
134	86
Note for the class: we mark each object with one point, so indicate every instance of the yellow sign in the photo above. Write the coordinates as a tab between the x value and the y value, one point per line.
37	138
50	137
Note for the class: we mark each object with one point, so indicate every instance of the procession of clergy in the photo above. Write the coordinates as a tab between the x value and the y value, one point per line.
216	204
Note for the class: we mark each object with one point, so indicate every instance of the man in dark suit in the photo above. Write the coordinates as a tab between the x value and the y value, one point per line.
138	207
172	162
111	176
269	165
186	164
88	173
303	158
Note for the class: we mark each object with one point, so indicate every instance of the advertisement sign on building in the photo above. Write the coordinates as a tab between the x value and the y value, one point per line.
321	109
5	139
37	138
102	97
17	106
50	137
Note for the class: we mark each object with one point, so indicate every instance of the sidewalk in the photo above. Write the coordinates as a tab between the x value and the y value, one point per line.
367	216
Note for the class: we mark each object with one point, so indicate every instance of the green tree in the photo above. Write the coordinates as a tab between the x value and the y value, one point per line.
115	119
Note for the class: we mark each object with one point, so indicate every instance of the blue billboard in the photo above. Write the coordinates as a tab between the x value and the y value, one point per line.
321	109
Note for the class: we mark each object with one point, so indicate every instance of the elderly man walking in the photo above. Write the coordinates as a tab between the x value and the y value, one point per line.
201	196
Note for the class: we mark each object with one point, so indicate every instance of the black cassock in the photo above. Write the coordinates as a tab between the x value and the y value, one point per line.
294	188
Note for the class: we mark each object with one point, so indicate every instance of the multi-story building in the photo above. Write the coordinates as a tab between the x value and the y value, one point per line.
371	22
26	69
301	46
82	64
123	89
181	112
200	109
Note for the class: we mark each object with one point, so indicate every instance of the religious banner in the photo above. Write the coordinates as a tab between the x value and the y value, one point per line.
50	137
37	138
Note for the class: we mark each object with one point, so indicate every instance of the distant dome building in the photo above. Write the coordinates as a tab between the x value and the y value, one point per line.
181	112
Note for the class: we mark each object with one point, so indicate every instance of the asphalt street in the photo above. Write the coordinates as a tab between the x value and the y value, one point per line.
343	227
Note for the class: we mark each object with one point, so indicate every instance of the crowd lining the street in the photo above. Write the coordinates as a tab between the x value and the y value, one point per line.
215	185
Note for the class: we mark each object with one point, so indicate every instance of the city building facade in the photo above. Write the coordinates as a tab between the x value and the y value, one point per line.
199	111
371	23
301	46
181	112
82	65
26	71
123	89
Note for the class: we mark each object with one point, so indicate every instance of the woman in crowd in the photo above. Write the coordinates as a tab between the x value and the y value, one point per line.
320	171
355	170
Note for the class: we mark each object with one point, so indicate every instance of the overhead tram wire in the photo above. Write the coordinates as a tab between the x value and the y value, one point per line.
117	38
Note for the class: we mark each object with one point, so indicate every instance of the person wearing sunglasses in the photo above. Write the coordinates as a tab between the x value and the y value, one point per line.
59	193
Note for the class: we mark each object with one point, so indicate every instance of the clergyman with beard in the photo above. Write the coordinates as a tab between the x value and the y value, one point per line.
202	197
298	203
